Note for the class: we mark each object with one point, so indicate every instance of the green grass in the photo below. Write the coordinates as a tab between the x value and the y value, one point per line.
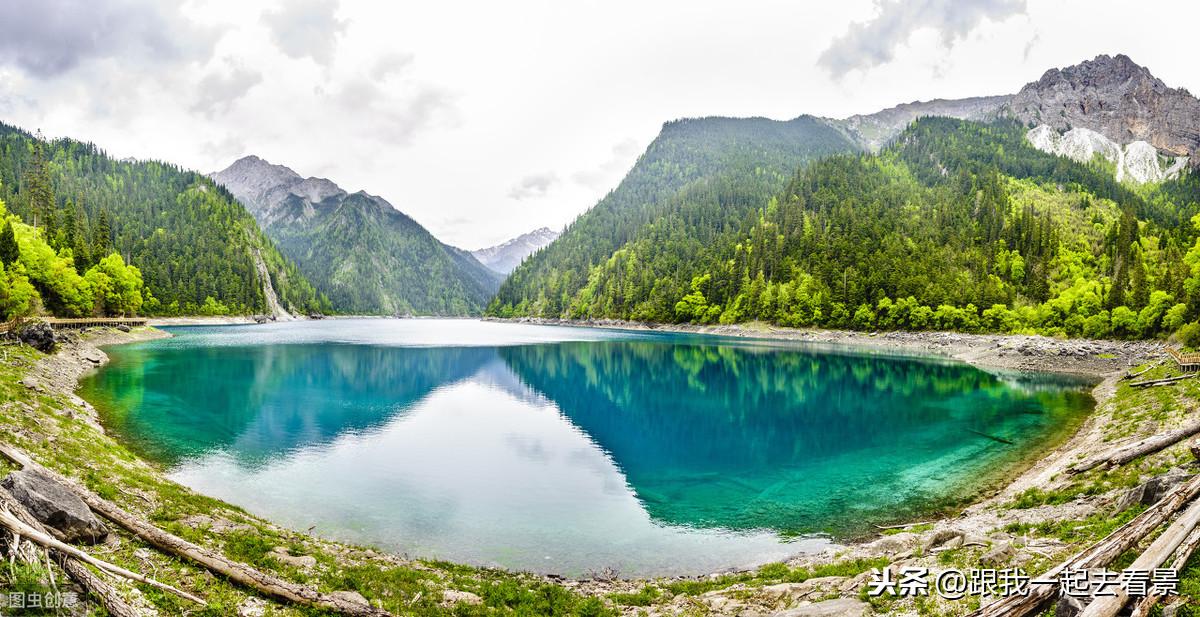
27	419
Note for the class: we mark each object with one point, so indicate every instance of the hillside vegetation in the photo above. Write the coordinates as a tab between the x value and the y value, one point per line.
194	245
362	253
957	225
698	178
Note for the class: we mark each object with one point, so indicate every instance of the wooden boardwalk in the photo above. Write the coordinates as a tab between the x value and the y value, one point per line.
1188	362
79	323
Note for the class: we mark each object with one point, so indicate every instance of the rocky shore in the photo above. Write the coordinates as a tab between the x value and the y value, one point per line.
991	531
1095	358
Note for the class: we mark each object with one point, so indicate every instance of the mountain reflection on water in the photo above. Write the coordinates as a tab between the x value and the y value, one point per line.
567	450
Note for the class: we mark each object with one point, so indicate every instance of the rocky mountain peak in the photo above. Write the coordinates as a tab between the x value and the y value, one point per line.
1116	97
1103	71
268	190
506	256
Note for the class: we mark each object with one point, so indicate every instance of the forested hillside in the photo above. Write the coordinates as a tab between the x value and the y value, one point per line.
197	248
366	256
957	225
698	178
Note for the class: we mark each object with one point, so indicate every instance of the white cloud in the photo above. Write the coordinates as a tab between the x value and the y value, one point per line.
218	90
607	173
865	45
534	185
47	38
443	115
306	28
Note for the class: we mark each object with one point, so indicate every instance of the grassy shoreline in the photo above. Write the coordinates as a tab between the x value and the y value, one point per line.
44	417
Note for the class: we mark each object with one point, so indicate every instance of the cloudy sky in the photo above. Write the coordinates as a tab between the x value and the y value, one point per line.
484	120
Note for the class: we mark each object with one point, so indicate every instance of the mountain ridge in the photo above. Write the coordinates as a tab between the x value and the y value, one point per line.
507	255
357	248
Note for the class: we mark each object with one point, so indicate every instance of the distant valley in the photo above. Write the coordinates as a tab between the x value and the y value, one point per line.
506	256
366	256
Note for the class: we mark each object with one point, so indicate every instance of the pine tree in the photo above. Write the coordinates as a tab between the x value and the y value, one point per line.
102	242
79	240
39	191
9	250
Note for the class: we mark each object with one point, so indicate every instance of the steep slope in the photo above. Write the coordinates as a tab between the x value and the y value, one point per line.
873	131
196	246
506	256
365	255
1137	161
1117	98
957	225
696	180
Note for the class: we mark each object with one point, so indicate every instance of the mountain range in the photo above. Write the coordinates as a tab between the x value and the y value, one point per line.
506	256
1010	212
362	253
1065	207
197	249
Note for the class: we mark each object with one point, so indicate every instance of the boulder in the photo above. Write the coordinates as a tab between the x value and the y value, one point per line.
38	335
303	562
1151	490
450	597
839	607
350	597
124	327
55	505
943	536
998	555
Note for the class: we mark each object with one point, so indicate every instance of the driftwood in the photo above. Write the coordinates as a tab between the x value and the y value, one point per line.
1097	555
1149	445
1160	382
992	437
902	526
109	597
1182	554
215	562
1145	370
17	526
1153	557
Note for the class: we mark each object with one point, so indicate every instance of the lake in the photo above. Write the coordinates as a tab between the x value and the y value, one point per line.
571	450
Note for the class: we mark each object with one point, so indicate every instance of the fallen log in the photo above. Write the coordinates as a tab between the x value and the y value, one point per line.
1129	375
901	526
41	538
1153	557
112	601
1097	555
1182	554
240	573
992	437
1160	382
1149	445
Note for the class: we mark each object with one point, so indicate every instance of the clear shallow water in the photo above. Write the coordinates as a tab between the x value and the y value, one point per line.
569	450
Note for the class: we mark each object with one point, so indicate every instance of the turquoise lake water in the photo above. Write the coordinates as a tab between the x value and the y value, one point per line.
570	450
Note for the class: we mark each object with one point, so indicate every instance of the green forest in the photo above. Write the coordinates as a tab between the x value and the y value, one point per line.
182	242
955	226
370	258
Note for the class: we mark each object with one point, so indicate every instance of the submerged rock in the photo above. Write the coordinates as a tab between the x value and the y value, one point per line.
55	505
